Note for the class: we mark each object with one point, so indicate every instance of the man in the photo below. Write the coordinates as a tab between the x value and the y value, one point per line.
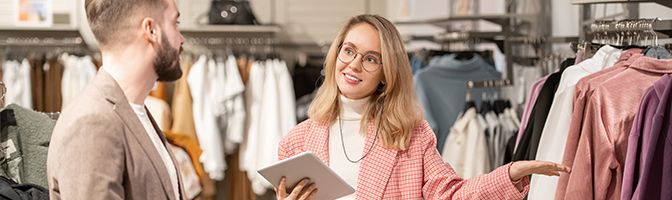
106	144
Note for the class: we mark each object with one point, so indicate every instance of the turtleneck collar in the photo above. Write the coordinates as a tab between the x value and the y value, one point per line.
352	109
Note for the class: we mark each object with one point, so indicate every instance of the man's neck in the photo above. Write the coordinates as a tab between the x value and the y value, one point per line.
132	72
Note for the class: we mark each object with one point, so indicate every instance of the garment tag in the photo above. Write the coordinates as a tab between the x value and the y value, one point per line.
7	149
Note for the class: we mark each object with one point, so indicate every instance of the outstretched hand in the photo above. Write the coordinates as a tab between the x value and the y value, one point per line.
520	169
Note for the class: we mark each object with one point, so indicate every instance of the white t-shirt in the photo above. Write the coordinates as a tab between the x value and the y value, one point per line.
158	144
353	140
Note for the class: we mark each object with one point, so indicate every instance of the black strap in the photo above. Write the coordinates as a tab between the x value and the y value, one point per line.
7	118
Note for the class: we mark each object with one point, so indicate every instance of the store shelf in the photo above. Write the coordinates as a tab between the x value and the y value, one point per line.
501	20
231	29
57	28
667	3
59	35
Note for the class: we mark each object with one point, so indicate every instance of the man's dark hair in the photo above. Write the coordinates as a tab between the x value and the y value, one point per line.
109	19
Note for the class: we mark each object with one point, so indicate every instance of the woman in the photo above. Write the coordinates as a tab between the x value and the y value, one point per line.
365	123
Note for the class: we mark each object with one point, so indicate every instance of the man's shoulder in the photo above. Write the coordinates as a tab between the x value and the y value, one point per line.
90	113
91	102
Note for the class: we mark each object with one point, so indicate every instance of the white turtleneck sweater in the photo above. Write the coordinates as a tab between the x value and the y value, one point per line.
351	113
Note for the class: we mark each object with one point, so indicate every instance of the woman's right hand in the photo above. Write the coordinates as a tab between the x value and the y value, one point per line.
300	191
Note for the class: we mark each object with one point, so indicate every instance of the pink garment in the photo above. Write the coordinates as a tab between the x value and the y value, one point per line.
603	139
584	89
415	173
531	100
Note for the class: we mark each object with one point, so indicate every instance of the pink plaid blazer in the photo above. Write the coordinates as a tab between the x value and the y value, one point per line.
415	173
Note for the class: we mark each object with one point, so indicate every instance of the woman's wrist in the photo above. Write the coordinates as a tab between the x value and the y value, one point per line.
514	173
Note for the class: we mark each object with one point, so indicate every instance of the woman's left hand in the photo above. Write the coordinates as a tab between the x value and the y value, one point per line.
520	169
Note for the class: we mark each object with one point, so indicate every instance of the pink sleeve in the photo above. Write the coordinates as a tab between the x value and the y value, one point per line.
441	181
572	142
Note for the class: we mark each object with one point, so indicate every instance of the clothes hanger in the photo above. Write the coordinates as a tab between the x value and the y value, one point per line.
469	103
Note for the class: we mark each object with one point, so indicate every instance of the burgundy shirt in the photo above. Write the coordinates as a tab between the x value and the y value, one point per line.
648	164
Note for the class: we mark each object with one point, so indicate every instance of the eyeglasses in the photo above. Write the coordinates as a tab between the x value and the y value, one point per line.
370	61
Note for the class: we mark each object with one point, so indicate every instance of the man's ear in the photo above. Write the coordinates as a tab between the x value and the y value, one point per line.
150	30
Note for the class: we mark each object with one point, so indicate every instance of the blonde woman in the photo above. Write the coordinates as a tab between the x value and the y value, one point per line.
365	123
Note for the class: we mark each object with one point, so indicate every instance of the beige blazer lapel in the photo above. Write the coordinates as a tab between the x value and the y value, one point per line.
170	152
121	106
376	168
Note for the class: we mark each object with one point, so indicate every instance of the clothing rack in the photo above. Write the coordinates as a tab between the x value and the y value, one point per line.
628	32
233	37
488	83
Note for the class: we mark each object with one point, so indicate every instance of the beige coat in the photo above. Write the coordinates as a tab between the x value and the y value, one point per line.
100	150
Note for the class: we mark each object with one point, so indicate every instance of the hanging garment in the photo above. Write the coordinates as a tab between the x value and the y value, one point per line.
183	131
609	115
306	79
466	149
37	83
584	90
160	91
160	111
190	180
25	143
446	73
529	104
183	116
648	164
229	103
509	124
52	92
287	103
272	116
237	185
16	77
492	131
200	80
77	74
554	134
527	148
253	99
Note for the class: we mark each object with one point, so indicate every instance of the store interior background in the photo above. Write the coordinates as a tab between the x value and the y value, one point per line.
308	26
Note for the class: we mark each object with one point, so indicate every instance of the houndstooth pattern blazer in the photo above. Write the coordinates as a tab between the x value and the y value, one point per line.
415	173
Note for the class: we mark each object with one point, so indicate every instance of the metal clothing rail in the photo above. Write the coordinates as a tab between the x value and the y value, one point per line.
626	32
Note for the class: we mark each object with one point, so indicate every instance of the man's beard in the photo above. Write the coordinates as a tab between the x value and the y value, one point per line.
167	63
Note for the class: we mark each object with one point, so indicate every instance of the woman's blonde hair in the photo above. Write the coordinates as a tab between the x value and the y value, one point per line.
401	112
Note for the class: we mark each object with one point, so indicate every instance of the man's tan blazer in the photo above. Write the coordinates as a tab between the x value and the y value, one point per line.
100	150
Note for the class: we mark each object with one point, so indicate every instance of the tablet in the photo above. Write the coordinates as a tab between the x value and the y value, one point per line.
306	164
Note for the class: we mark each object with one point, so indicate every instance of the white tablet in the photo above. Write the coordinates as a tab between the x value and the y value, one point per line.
306	164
